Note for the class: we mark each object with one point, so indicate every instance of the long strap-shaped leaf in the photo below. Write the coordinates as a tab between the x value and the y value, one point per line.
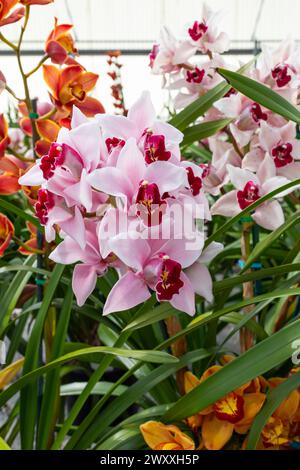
158	357
256	361
203	130
274	398
29	395
261	94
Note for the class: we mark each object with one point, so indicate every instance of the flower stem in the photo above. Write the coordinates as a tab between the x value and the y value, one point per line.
246	336
178	348
36	68
7	42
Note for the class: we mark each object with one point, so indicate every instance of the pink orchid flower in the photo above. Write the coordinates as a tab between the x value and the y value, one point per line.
159	141
194	82
249	188
170	54
52	210
205	33
134	182
65	169
90	266
279	68
157	265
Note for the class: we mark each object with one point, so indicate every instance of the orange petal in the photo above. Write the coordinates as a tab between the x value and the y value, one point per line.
215	433
56	52
51	76
87	80
47	129
15	16
168	437
3	126
9	184
32	247
9	166
42	147
252	405
288	408
230	408
90	106
190	381
8	374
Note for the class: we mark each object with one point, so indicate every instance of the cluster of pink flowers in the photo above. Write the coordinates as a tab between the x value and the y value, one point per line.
111	187
258	151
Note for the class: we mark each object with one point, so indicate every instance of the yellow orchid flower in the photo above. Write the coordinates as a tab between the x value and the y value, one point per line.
8	374
159	436
234	412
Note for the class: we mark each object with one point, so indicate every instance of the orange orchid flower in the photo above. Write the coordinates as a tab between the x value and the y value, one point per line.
69	86
11	169
234	412
31	244
59	43
46	128
4	139
48	131
159	436
6	233
284	424
9	15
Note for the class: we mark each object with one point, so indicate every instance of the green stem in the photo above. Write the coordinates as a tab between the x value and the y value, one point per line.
7	42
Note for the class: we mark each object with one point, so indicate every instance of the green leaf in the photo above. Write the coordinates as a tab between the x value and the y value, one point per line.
154	315
274	398
52	381
256	361
125	439
231	282
88	432
261	94
224	228
156	357
15	289
203	130
9	207
29	395
101	388
3	445
271	238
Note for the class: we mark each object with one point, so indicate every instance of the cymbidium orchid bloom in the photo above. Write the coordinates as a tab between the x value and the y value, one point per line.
282	145
279	69
157	140
249	188
8	14
7	231
90	266
205	34
59	43
195	81
10	170
69	86
170	54
129	167
284	424
233	413
31	245
159	436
